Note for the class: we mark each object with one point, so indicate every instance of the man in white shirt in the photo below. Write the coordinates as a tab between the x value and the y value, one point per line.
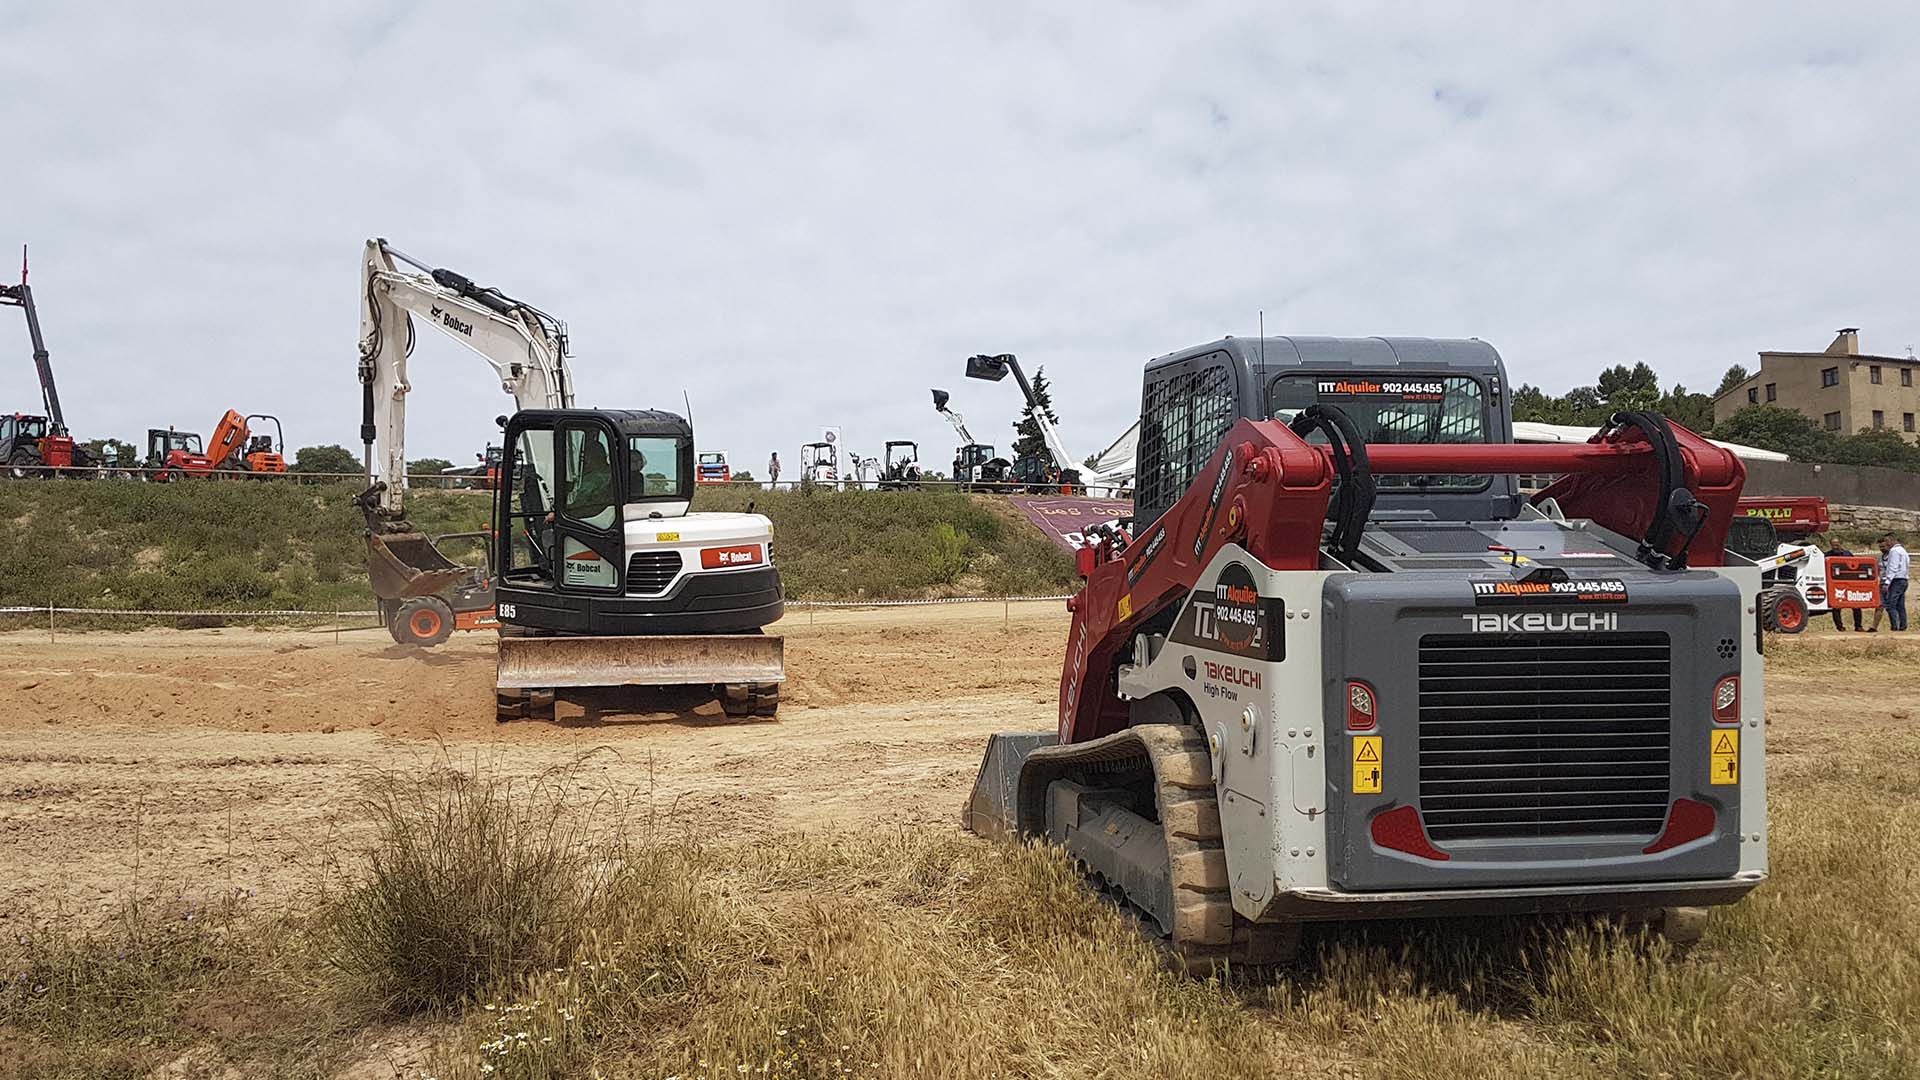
1895	569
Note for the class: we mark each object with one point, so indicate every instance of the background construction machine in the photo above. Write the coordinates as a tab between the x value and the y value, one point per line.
1061	472
900	465
600	575
37	444
975	464
234	448
1340	669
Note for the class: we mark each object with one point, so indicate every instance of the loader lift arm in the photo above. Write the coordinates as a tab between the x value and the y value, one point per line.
1268	490
526	347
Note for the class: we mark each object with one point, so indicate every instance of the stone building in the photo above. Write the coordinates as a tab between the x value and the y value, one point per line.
1842	389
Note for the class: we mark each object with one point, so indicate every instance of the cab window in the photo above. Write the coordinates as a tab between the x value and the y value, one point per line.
591	498
1394	409
529	503
653	467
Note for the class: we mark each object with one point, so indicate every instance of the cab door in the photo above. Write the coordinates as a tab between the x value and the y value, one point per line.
589	534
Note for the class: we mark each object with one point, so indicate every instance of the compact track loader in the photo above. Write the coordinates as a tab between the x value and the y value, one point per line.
1339	668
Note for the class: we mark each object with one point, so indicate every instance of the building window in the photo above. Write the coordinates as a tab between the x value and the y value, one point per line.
1753	395
1830	376
1906	376
1873	374
1906	421
1773	391
1832	420
1879	419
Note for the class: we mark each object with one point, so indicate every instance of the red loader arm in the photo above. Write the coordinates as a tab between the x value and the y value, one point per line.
1267	489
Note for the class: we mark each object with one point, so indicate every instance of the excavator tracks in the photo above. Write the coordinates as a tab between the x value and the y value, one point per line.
1187	900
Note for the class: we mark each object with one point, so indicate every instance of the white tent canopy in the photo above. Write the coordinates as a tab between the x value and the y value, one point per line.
1528	432
1117	460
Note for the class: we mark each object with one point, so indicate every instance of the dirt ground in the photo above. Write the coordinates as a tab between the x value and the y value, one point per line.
204	760
208	759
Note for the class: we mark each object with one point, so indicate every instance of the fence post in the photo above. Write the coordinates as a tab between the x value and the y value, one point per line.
50	620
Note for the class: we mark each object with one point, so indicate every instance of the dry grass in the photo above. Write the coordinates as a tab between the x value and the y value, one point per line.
551	945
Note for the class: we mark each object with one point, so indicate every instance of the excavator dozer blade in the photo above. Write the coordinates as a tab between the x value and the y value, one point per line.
536	663
406	564
991	810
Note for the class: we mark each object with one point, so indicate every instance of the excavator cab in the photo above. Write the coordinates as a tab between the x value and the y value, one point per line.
604	579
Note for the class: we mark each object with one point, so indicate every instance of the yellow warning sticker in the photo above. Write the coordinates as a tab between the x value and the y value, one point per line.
1124	610
668	538
1724	748
1367	763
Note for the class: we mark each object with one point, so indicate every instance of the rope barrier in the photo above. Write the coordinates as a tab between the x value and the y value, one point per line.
47	609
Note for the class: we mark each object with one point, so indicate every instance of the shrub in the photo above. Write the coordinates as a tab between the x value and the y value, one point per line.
472	882
947	553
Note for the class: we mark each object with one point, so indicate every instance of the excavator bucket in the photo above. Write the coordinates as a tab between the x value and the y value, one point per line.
992	809
537	663
400	565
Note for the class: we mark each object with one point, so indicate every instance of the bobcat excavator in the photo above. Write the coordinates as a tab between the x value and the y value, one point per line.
601	577
1340	668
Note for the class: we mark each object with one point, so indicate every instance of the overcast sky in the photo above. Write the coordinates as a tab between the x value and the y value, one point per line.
807	214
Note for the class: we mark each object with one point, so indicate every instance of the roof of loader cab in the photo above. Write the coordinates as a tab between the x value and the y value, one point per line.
1356	353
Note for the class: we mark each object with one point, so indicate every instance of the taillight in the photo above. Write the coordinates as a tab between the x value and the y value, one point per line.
1362	706
1726	700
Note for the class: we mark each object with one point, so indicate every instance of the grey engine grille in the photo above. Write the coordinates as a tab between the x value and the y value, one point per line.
650	572
1532	737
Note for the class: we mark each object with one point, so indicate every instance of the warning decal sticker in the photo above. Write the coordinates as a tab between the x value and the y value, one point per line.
1725	755
1367	764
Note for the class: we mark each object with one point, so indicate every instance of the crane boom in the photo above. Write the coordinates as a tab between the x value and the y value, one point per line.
526	347
21	296
995	368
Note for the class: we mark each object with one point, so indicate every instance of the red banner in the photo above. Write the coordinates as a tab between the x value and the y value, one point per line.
1853	581
1065	519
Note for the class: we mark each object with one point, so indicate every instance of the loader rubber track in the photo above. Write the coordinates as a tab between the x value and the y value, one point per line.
1207	935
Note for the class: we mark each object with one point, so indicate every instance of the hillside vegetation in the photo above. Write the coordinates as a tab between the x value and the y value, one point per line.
240	545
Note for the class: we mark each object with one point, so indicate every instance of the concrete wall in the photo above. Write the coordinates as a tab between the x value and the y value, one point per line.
1853	485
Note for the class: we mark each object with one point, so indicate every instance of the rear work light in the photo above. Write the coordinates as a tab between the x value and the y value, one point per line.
1726	700
1362	706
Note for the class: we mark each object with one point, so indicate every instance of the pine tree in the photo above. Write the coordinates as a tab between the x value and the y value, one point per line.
1029	443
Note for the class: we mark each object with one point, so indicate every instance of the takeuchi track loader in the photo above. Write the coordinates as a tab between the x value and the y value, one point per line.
1340	668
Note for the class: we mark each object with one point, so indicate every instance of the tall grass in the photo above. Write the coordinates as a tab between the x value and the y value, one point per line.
562	944
472	881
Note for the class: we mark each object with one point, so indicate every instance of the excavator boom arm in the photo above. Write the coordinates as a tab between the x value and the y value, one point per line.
526	349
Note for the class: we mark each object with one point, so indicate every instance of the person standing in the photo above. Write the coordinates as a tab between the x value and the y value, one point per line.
1894	571
1838	549
773	472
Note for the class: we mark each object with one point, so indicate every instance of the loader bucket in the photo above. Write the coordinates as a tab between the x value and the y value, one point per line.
406	564
536	663
991	811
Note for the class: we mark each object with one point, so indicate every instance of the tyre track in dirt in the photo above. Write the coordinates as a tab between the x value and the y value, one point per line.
199	761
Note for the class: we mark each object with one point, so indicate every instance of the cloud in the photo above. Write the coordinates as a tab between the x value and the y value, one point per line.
806	215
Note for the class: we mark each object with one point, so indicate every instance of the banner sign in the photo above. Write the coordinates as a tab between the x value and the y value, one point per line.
1853	581
1065	518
